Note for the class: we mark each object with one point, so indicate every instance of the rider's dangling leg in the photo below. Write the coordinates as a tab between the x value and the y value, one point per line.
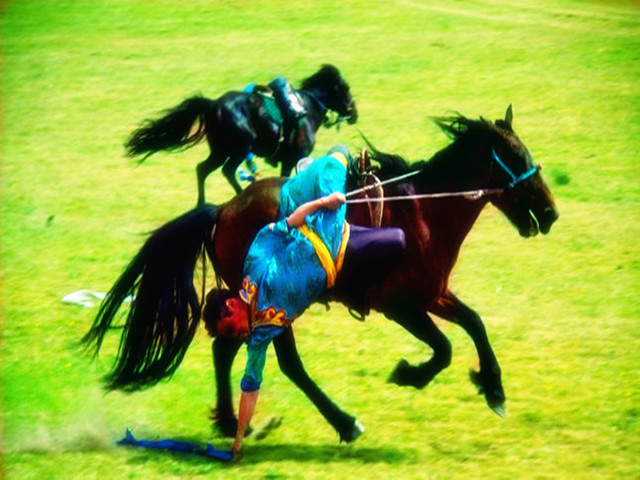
287	101
370	255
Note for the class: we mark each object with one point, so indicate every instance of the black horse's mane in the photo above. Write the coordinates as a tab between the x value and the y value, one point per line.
327	75
457	127
392	165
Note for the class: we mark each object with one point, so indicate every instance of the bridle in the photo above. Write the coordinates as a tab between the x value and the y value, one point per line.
514	180
341	118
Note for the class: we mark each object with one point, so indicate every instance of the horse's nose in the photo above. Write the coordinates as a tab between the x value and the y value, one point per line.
548	217
353	114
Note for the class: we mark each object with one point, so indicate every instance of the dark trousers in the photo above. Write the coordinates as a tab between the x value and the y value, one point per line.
370	255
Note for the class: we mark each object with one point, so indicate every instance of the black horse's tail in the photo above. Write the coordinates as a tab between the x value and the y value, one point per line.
174	130
165	310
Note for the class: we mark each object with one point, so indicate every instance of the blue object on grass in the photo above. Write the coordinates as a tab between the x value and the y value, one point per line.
177	446
245	176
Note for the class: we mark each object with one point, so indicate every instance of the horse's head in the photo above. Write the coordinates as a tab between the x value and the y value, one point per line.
525	199
334	91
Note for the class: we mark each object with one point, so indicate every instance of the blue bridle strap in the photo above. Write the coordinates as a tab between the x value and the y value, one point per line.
514	180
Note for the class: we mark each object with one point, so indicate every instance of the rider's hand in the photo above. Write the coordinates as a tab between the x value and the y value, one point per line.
334	200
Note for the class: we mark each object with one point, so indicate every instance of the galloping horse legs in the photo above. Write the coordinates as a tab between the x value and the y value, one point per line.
420	325
291	365
488	379
229	164
224	352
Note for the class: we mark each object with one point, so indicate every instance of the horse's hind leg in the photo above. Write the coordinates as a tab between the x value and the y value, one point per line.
422	327
224	352
213	161
488	379
203	169
291	365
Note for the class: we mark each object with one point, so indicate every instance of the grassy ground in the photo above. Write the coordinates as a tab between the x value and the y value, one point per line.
562	311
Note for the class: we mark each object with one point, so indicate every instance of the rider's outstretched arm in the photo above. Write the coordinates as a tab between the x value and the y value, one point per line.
333	201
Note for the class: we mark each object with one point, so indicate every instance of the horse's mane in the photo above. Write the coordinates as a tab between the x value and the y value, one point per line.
327	75
391	164
457	127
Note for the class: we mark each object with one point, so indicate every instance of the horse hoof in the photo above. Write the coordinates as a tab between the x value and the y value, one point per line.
406	375
494	395
398	376
500	410
356	431
226	426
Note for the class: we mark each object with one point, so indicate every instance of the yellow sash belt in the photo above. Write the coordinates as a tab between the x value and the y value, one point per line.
323	253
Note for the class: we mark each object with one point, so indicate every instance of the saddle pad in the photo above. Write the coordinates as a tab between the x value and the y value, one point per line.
271	108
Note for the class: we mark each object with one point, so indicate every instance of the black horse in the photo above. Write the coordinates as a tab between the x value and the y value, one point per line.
238	123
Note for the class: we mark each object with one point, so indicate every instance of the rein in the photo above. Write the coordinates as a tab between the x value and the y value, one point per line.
326	109
469	194
385	182
316	100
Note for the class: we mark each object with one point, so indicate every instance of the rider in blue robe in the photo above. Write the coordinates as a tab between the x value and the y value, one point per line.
293	261
312	254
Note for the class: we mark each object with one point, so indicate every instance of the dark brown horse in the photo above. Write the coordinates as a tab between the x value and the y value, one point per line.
238	123
484	157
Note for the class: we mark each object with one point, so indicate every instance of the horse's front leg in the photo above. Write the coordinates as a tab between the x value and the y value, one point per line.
421	326
224	351
291	365
488	379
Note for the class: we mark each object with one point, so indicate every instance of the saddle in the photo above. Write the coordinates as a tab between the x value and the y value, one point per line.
283	106
362	177
269	103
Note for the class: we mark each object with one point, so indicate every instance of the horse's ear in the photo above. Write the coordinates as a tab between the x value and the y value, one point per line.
508	116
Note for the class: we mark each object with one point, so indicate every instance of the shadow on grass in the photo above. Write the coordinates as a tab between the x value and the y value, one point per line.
325	453
256	454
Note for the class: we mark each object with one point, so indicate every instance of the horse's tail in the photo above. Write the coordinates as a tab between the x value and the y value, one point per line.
165	310
172	131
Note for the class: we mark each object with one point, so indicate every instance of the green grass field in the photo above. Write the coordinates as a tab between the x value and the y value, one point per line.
562	311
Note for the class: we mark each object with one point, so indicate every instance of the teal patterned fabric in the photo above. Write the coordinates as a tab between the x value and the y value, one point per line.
282	272
322	177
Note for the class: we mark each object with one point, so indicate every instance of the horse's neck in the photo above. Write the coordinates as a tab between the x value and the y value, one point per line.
315	104
446	222
456	167
451	219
